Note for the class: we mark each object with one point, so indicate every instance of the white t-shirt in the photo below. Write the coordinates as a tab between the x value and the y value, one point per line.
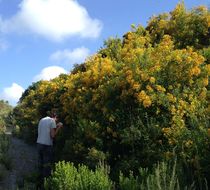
44	127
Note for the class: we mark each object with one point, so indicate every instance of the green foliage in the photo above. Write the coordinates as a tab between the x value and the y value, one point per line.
112	49
163	176
5	110
4	147
130	182
16	131
67	176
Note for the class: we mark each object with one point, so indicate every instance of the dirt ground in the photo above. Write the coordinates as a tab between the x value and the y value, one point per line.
23	166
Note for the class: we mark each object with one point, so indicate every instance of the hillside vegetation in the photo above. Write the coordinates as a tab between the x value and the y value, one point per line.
139	100
5	110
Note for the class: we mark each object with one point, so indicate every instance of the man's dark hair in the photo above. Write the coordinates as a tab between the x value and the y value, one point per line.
52	114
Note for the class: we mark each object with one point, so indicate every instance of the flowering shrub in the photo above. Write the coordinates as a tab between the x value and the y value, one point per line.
138	100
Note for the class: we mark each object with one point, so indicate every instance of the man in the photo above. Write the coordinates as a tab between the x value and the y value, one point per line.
47	130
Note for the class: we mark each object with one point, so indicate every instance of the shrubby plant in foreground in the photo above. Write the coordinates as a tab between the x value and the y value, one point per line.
163	176
67	176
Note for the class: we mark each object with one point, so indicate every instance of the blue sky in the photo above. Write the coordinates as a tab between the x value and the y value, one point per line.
39	39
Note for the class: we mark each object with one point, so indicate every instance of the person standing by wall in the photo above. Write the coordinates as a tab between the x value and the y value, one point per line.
47	130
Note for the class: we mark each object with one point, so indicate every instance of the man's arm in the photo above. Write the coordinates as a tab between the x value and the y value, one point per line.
54	131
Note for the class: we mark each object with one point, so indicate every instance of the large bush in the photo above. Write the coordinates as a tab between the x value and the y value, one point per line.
138	100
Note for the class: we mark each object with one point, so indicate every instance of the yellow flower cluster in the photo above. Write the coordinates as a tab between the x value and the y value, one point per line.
208	69
147	102
152	80
171	98
149	88
166	131
143	97
136	86
195	71
160	88
188	143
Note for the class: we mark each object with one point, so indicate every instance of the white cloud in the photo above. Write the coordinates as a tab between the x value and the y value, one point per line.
70	57
53	19
12	93
49	73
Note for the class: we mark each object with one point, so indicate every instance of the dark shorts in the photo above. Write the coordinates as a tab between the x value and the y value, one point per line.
45	159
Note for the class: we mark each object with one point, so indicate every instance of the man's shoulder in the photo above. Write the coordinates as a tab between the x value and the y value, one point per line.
46	118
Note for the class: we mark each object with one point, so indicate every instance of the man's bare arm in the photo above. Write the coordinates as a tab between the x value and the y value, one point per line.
54	131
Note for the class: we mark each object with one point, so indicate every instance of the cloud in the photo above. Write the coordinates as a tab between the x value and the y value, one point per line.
70	57
49	73
12	93
52	19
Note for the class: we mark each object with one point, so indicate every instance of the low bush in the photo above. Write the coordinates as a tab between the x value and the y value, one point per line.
164	176
67	176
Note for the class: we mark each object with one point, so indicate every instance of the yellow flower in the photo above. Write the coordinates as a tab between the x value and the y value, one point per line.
205	81
208	69
152	80
147	102
189	143
144	76
203	94
139	51
208	20
160	88
142	95
202	8
149	88
128	72
195	71
136	86
182	103
129	35
166	130
171	98
188	59
178	58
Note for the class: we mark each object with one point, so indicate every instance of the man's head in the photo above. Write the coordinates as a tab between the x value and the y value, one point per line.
53	115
